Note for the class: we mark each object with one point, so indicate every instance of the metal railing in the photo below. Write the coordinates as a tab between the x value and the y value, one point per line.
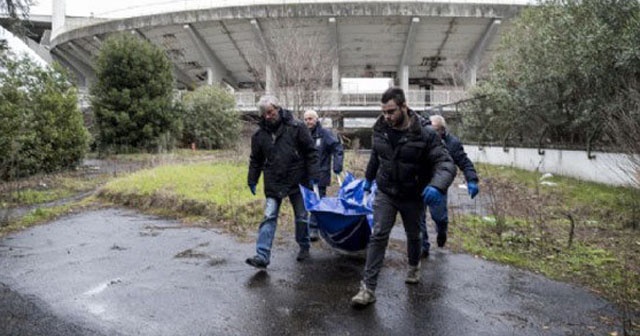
328	99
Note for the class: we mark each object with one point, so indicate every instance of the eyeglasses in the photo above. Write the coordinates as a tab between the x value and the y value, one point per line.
390	111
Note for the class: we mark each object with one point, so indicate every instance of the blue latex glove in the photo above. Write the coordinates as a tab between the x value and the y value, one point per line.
252	187
367	186
473	189
431	196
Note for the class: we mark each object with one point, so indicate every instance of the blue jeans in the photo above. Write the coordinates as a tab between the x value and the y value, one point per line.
268	225
440	216
385	210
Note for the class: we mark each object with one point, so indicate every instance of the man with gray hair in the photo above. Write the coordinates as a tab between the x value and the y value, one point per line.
282	149
328	147
438	212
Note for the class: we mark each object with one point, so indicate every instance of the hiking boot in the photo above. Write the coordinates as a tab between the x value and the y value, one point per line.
302	255
257	262
413	275
441	239
313	235
364	297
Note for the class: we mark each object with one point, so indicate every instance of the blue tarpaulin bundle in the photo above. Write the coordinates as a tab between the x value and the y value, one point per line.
344	222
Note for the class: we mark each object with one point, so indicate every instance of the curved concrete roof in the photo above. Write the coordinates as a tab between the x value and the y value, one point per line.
373	39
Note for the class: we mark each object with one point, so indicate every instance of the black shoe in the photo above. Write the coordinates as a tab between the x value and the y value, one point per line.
441	239
256	262
424	254
302	255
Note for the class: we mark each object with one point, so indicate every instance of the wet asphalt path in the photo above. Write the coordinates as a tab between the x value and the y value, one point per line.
116	272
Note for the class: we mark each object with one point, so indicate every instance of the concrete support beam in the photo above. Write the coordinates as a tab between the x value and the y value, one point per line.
476	54
78	65
180	75
83	54
216	71
39	49
252	70
81	81
403	67
271	81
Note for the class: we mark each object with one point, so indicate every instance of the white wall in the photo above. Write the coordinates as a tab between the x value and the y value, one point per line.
609	168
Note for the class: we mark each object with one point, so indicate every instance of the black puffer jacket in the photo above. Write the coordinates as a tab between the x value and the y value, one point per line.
287	157
419	159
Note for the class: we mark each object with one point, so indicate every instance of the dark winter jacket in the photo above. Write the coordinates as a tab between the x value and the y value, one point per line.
456	150
287	157
454	146
419	159
328	146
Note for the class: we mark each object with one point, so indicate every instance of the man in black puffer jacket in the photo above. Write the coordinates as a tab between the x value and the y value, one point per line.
411	168
282	148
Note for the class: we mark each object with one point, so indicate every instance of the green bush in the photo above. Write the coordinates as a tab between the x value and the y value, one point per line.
132	97
41	126
210	118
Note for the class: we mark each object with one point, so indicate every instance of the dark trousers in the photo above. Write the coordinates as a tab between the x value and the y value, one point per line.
385	210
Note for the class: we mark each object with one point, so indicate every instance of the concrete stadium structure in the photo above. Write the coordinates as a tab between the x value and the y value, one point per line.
432	49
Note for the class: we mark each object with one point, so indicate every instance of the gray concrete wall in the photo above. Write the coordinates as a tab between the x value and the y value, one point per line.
609	168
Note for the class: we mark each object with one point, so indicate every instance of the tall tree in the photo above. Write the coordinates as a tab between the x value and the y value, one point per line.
561	67
42	128
132	97
301	61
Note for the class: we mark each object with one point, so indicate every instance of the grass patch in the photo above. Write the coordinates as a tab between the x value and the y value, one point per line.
177	155
205	193
51	188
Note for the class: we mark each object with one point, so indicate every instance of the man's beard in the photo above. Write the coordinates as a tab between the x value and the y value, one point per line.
398	122
272	125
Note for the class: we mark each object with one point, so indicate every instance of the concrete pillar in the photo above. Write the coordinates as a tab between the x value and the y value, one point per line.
269	80
404	78
403	66
210	77
335	85
58	13
470	79
478	51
